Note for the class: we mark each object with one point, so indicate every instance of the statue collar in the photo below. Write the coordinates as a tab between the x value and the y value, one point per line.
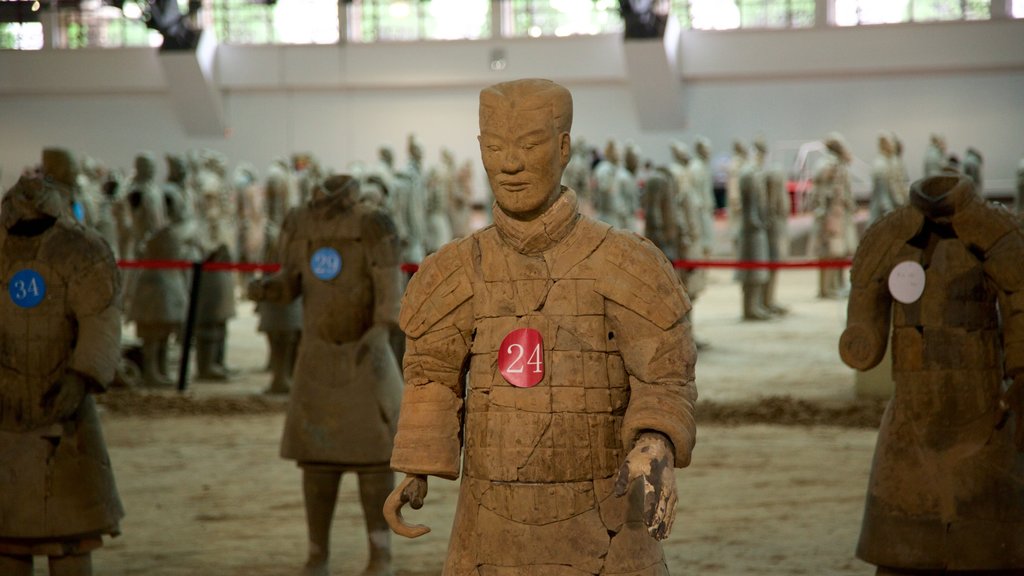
542	233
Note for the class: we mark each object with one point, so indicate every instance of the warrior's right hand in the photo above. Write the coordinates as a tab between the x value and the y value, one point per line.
64	398
411	490
255	290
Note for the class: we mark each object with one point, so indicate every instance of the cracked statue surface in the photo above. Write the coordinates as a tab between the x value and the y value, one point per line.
550	363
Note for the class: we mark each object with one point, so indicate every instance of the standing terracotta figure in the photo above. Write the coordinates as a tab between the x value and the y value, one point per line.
614	189
660	222
437	190
60	337
160	302
884	198
972	166
281	322
935	160
753	237
578	174
216	302
689	216
732	189
778	205
342	257
946	492
833	206
553	350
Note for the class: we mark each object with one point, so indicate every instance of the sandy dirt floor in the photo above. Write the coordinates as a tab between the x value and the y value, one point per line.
776	485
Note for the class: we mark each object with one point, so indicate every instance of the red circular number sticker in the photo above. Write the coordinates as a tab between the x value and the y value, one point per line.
521	358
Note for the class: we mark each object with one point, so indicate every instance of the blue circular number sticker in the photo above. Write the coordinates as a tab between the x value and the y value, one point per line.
27	288
326	263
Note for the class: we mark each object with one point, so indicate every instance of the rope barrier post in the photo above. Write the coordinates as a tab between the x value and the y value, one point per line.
190	325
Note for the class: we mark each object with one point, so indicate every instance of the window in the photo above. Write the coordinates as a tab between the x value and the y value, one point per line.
373	20
854	12
727	14
559	17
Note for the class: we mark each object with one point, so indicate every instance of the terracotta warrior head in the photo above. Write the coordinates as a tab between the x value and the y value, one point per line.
525	144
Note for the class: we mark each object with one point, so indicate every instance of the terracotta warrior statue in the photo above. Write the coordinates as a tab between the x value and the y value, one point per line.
281	322
884	198
160	301
935	160
945	494
753	237
777	209
614	189
833	207
342	258
60	337
573	336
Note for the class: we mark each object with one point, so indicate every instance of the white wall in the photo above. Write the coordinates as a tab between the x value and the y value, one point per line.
965	80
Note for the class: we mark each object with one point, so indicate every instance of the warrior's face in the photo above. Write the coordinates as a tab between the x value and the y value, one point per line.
524	154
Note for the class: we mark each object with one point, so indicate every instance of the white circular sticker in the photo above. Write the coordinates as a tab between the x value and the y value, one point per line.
906	282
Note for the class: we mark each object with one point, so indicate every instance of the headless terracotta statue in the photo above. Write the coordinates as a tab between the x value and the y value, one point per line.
60	336
342	258
946	493
552	350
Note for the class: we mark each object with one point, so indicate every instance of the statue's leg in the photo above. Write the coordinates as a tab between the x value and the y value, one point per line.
752	309
208	340
16	565
374	488
71	565
770	289
151	373
320	489
279	382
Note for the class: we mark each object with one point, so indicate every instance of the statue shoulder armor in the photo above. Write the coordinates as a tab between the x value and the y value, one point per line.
79	247
883	239
375	224
640	278
440	286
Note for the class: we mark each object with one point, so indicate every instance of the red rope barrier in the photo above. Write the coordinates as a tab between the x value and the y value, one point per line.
410	267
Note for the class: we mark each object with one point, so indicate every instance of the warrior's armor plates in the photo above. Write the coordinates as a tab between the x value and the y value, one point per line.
343	261
540	462
63	315
946	484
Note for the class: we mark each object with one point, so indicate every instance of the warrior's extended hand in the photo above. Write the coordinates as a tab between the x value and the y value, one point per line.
411	490
64	398
652	459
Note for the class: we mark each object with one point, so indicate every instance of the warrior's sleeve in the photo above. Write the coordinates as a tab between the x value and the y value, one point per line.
995	233
436	316
94	299
286	284
646	306
383	257
863	342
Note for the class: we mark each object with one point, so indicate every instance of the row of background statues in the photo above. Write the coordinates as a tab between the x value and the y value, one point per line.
204	211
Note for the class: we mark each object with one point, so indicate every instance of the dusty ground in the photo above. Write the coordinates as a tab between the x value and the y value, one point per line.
776	485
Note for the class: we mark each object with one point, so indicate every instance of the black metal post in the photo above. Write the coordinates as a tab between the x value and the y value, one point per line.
190	325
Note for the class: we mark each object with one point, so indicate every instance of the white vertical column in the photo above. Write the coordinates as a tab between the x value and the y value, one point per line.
823	13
